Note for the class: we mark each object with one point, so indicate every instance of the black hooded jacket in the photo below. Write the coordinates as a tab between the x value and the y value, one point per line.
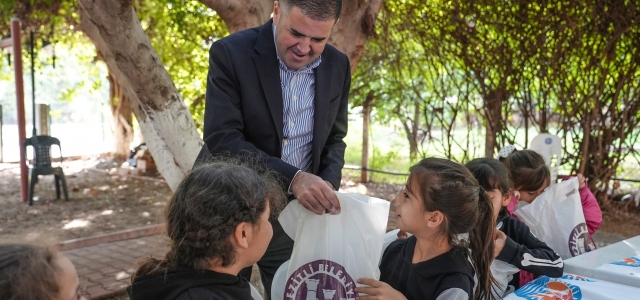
187	284
447	276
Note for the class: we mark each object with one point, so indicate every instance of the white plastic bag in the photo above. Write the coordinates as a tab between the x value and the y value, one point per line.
556	218
331	252
575	287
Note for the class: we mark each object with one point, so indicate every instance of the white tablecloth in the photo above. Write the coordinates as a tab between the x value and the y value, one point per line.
614	263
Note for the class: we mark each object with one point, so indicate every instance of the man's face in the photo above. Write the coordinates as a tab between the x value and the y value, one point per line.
299	39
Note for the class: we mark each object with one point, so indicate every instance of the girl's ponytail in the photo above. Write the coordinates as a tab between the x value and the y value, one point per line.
481	243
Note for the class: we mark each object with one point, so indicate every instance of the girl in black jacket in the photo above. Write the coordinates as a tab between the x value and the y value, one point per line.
514	243
218	223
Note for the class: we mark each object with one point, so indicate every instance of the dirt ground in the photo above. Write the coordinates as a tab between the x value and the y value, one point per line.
100	201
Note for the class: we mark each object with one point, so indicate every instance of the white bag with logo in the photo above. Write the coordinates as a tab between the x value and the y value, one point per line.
556	218
331	252
576	287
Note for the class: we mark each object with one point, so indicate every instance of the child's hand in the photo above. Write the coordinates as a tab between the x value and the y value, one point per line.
402	235
499	239
581	181
517	195
377	290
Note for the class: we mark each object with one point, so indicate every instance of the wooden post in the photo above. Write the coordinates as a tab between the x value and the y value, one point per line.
366	120
17	67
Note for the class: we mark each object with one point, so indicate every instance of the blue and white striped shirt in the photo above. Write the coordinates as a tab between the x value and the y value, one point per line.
298	94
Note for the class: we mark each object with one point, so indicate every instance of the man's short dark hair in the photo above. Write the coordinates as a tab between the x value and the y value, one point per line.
321	10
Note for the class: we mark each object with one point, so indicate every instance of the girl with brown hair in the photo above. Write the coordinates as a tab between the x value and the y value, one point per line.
531	176
218	224
36	273
452	222
514	244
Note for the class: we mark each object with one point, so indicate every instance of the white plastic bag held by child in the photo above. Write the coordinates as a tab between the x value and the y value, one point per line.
556	218
331	252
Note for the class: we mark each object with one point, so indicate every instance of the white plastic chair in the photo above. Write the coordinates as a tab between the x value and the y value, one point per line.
254	293
550	147
279	281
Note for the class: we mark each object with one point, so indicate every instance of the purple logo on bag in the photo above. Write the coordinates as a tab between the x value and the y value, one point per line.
580	240
321	279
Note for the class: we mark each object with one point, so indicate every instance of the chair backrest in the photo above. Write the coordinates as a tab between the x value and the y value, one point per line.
550	147
255	294
42	149
279	281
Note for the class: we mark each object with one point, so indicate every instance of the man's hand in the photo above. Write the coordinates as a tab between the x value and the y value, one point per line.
378	290
499	240
315	194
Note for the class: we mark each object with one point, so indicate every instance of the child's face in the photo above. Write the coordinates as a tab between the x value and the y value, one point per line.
529	196
498	200
409	208
67	279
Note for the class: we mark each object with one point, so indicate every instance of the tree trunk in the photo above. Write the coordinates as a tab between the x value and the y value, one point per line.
355	26
241	14
164	120
366	120
493	116
122	119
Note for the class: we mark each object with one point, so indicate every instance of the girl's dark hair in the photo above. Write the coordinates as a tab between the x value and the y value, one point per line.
206	208
450	188
527	170
491	174
27	272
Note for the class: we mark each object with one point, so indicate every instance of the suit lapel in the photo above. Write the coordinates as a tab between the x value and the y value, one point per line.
267	67
323	89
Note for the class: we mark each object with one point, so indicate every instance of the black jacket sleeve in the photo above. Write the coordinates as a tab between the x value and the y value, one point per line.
523	250
332	157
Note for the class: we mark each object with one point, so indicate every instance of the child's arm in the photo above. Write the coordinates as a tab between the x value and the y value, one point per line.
523	250
455	287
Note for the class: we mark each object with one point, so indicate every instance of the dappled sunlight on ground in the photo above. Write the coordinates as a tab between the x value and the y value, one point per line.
100	201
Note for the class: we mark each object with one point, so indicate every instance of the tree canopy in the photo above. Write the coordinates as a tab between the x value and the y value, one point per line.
443	70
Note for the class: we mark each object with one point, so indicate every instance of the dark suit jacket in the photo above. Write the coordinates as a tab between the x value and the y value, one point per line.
244	106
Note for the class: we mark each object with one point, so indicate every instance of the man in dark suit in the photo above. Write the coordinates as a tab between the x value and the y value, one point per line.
280	92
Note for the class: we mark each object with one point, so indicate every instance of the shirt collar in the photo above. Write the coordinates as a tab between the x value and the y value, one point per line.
306	69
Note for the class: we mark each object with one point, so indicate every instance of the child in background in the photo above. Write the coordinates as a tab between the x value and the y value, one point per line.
530	176
218	224
36	273
451	220
515	244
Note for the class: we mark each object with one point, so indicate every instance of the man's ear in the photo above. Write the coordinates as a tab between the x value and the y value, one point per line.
434	218
240	235
276	12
